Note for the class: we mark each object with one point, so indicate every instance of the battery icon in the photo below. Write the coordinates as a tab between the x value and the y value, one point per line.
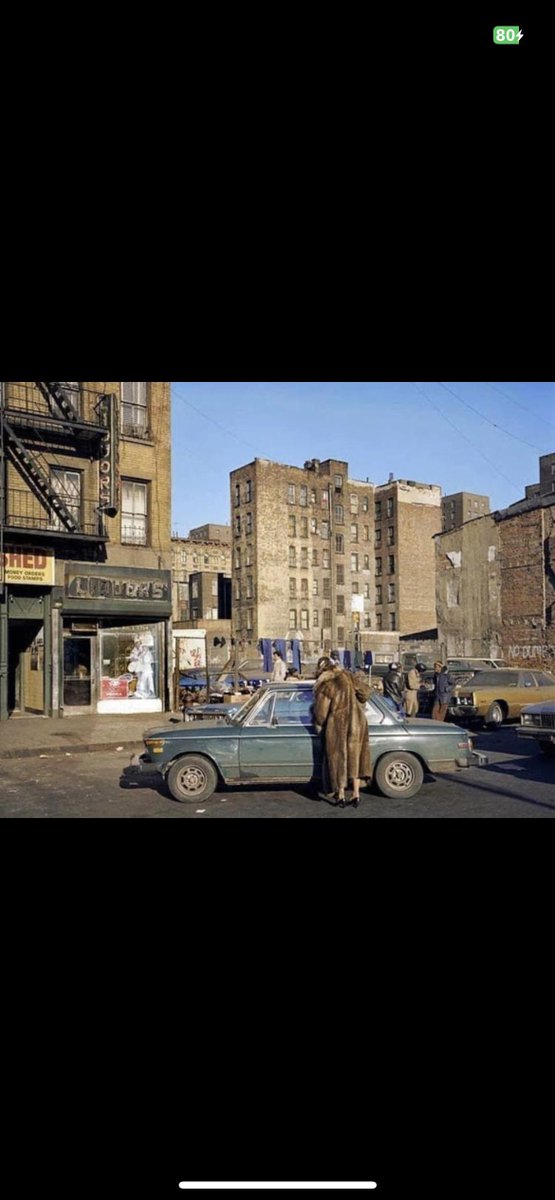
507	35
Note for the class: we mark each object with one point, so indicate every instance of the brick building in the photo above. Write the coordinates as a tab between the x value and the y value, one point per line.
201	566
462	506
496	580
85	547
337	561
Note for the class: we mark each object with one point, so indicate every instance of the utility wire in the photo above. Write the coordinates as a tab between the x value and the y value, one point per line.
467	439
483	418
217	423
522	406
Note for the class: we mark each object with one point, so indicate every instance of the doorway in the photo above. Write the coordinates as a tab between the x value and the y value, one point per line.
26	667
78	680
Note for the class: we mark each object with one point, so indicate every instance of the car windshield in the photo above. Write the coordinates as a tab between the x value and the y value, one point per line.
239	714
495	679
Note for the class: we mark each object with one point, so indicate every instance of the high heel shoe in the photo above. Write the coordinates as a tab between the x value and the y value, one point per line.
356	801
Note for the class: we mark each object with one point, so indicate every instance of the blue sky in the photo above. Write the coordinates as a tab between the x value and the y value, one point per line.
476	437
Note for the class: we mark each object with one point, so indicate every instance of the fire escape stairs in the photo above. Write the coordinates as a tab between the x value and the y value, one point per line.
57	399
37	478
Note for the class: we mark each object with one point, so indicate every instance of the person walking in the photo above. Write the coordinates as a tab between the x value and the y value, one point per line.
414	680
339	716
280	669
443	690
394	687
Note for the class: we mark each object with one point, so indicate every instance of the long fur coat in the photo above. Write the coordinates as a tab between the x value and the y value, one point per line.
338	712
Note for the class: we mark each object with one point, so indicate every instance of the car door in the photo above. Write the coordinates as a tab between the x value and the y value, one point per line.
278	740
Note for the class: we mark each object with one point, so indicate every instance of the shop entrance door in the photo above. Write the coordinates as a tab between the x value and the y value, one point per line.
78	679
26	667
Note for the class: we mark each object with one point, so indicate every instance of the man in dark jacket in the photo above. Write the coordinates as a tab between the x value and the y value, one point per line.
443	690
394	686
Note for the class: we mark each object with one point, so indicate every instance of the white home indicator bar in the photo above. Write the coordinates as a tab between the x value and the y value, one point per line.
337	1187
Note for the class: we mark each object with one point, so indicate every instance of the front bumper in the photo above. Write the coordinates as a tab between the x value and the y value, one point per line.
473	758
140	762
462	710
536	732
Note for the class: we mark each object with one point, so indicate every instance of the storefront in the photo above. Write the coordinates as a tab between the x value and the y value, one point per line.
114	640
26	578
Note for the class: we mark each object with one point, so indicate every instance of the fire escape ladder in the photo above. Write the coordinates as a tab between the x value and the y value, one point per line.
38	479
57	398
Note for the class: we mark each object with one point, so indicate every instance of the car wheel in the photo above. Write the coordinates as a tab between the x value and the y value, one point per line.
398	775
192	778
495	715
548	748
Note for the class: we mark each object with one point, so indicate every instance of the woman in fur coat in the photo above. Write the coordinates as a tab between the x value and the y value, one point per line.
339	715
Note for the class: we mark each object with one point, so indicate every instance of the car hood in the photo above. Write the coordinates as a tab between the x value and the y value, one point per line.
183	730
541	706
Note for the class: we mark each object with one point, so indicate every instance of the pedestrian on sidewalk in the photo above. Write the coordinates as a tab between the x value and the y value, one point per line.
394	688
280	669
443	690
414	680
339	716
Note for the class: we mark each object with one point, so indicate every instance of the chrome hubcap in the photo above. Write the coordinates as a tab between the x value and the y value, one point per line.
192	779
399	775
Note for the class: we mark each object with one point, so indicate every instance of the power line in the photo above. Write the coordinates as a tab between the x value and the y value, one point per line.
522	406
214	422
467	439
483	418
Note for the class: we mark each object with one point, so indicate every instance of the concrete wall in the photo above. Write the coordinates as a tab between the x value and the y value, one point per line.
469	590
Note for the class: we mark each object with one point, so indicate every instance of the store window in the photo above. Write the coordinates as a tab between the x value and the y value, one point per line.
130	664
133	512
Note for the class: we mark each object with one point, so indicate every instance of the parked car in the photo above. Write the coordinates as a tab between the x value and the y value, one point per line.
538	721
271	739
497	696
464	669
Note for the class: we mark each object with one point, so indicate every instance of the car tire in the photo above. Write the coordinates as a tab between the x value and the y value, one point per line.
495	715
548	748
398	775
192	778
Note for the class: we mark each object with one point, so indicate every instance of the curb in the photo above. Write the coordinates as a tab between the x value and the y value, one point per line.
55	751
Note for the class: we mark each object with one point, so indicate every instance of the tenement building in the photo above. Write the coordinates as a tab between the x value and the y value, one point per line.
338	562
496	580
201	567
461	507
85	548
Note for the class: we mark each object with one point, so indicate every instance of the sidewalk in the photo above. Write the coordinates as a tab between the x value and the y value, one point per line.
21	737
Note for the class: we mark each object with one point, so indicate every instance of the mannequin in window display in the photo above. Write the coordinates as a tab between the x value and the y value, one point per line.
141	665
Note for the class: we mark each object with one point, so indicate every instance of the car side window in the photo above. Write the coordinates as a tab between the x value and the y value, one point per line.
545	680
263	714
527	679
293	708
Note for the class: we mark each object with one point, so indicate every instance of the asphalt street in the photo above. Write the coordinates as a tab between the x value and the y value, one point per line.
518	782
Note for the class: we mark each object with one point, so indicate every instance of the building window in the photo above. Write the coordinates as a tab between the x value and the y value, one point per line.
378	510
391	592
366	561
326	559
248	529
340	574
292	587
366	533
304	587
378	537
249	619
292	526
303	494
379	621
378	593
392	621
237	494
313	496
292	557
365	503
339	514
340	604
367	591
314	587
367	621
391	535
338	482
292	618
313	525
304	526
237	525
315	618
354	533
391	564
340	635
291	493
390	507
248	492
325	529
326	587
237	589
378	566
339	543
249	587
304	556
134	410
354	504
304	618
354	587
314	558
327	618
206	560
66	485
354	562
248	558
325	498
134	512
